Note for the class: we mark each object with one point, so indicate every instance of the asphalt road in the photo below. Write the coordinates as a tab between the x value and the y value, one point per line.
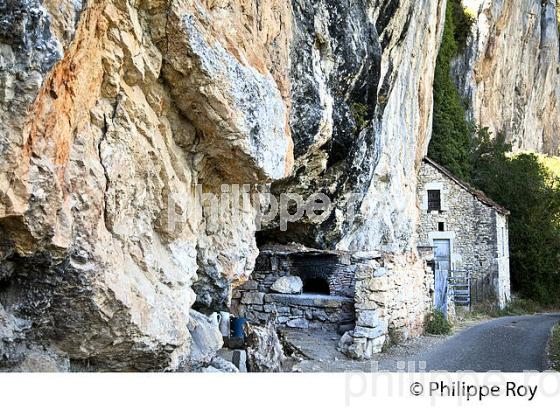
509	344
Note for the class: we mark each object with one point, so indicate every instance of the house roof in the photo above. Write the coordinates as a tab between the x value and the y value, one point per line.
478	194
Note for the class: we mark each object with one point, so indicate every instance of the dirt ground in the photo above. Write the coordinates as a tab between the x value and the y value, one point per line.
316	351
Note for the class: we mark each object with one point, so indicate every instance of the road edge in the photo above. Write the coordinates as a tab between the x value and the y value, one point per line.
549	362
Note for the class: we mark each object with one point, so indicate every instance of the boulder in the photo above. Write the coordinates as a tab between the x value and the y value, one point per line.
345	341
264	350
299	323
368	332
220	365
352	347
240	360
206	339
237	357
288	284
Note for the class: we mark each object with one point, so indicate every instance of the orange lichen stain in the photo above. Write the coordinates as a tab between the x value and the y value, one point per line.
69	92
289	164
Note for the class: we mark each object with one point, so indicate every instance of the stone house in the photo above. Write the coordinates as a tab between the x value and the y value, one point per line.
468	233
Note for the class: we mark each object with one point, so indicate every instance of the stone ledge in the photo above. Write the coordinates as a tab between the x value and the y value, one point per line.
314	300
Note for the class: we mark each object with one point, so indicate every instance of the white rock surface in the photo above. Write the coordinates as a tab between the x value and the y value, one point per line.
510	71
99	145
298	323
220	365
402	132
206	339
264	350
288	284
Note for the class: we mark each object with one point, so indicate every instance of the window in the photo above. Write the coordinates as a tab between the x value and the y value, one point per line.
434	200
441	226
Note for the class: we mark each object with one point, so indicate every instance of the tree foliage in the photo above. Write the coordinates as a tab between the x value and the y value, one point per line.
451	132
463	19
525	185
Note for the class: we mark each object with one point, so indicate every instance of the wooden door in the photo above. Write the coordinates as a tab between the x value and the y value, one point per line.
442	254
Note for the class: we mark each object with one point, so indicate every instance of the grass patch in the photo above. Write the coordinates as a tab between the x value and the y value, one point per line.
437	324
554	352
517	307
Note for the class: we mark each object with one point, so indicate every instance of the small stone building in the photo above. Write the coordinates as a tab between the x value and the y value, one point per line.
468	233
370	298
323	298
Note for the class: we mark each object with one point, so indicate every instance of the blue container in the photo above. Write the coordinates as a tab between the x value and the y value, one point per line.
238	327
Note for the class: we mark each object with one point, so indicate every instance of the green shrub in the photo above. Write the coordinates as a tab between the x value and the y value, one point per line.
360	113
463	20
552	163
437	324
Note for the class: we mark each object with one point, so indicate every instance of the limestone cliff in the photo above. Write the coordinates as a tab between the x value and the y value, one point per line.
509	73
112	112
365	87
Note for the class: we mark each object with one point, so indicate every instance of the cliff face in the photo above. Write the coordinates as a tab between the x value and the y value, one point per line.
113	111
107	129
509	73
364	86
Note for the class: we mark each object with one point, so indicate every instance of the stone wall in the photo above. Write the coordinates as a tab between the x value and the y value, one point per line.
393	296
258	302
502	283
390	298
477	232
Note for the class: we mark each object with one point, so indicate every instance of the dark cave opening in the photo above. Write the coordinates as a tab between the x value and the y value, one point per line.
316	286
